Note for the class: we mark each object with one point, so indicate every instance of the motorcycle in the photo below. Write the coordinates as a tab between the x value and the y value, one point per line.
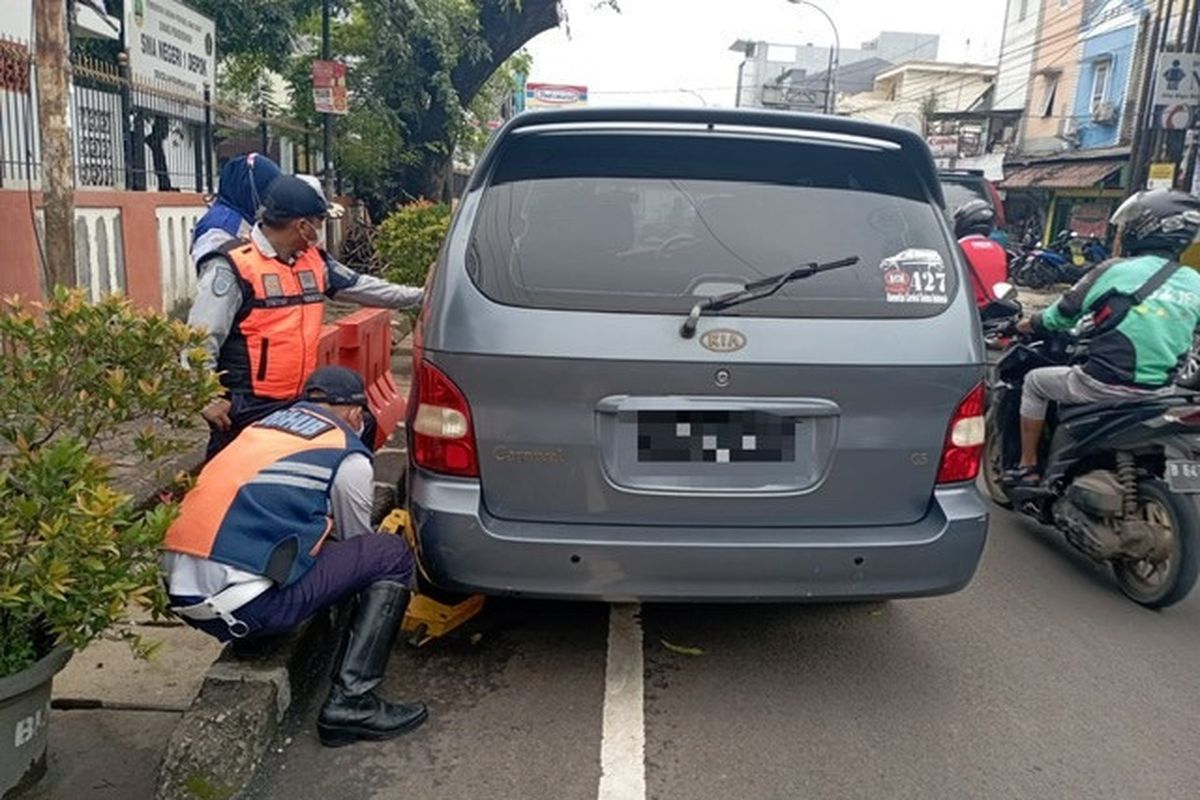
1065	260
1121	482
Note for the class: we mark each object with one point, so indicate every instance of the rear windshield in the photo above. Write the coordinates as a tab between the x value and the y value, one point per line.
651	223
960	191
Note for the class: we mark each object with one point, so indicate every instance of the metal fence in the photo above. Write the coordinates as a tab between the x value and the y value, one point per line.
129	133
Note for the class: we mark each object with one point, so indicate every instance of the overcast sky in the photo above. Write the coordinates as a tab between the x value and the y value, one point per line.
645	54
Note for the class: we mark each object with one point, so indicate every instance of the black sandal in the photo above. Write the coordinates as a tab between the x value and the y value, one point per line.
1021	477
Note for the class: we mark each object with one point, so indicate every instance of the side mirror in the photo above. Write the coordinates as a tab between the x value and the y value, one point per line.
1004	291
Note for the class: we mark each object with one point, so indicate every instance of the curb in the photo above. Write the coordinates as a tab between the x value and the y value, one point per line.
221	740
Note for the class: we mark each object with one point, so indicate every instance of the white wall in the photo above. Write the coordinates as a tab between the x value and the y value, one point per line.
175	224
1016	55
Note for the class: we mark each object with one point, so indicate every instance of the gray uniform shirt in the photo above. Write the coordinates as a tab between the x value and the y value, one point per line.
219	295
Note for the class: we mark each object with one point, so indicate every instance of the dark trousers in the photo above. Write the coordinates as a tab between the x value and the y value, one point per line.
342	569
246	409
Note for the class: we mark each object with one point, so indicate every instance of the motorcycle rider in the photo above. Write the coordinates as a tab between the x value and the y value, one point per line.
1145	309
974	222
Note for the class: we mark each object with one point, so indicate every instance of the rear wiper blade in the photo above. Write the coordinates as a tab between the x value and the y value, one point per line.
757	291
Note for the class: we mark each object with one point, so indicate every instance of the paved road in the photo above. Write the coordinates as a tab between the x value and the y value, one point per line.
1039	681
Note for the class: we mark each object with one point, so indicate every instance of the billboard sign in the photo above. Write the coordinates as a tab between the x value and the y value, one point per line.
943	145
555	95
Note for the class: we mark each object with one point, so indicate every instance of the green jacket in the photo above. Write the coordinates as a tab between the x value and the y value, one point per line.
1147	347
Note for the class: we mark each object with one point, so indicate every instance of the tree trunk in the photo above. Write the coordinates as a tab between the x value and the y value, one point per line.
505	29
53	86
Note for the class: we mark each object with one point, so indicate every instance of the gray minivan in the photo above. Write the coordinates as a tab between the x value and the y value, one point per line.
698	354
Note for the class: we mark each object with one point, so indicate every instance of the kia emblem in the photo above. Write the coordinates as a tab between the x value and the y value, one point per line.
723	340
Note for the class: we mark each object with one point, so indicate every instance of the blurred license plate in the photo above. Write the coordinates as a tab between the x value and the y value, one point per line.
1183	477
715	437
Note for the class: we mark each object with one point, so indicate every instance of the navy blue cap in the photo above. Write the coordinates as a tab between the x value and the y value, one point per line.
336	386
291	198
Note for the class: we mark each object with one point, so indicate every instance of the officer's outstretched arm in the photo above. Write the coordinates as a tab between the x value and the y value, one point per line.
345	284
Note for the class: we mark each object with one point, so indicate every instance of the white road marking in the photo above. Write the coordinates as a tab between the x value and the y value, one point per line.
623	740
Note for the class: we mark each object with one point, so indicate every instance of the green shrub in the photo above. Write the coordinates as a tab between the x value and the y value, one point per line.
75	377
409	240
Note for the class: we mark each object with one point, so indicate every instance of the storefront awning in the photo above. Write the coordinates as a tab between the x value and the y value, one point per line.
1083	175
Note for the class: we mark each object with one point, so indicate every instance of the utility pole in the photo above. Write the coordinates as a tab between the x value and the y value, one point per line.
53	89
327	56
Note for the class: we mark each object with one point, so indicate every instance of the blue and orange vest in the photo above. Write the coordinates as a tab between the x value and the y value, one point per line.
262	505
272	347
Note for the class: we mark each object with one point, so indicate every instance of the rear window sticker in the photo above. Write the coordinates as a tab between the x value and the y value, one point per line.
915	275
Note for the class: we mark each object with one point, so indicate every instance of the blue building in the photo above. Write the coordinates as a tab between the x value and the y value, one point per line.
1108	48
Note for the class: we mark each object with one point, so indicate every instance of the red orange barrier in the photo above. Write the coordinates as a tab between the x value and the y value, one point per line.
363	342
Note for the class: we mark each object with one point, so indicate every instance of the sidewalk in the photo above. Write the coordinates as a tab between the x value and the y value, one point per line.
114	751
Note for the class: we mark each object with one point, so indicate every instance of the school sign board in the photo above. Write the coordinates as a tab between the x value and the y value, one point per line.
170	46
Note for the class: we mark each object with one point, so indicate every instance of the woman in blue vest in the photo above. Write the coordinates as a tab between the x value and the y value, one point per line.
244	183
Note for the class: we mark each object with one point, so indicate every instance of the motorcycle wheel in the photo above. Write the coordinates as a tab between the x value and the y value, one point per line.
1035	275
993	461
1189	373
1166	583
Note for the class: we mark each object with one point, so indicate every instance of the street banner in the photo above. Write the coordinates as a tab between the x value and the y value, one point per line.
555	95
329	87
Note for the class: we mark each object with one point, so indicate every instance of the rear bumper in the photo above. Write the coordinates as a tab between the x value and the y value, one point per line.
463	548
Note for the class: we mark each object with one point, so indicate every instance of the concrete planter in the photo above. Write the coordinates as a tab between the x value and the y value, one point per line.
24	715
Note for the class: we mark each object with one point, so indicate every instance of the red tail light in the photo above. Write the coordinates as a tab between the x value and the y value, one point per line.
442	437
963	449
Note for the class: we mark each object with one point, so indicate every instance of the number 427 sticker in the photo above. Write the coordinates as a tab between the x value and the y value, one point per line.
915	276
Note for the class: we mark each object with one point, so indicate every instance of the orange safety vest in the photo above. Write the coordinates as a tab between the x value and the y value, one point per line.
262	504
272	347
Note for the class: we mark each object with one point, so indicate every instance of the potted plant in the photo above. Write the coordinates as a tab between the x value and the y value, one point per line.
80	382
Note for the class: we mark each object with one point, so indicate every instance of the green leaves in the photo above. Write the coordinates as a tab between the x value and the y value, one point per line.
76	379
408	241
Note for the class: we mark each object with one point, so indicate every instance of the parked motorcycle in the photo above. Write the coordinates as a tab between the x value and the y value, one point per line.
1065	260
1121	482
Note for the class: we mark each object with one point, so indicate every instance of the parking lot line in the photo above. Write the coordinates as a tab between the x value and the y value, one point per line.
623	738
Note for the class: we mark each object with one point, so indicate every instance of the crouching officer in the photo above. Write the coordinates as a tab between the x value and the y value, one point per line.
278	528
262	302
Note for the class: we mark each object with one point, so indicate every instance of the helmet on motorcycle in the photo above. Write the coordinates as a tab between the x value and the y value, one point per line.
974	217
1158	221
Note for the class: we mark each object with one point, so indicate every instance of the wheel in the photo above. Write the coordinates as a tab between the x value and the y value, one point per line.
1034	274
1189	373
993	460
1162	584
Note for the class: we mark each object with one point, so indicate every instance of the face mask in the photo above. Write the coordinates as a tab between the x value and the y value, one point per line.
319	232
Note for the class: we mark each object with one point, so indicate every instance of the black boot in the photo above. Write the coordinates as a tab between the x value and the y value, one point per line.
353	712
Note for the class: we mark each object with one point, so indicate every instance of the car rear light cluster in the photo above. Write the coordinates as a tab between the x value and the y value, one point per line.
442	437
963	449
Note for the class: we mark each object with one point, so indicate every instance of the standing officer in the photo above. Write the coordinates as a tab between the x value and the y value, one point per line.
262	302
248	555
